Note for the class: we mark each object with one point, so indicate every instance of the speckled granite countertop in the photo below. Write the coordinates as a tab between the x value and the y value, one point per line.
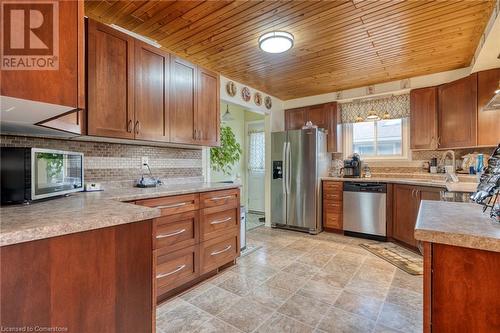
458	187
86	211
459	224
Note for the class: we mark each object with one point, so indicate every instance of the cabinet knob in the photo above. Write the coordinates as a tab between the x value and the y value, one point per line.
129	126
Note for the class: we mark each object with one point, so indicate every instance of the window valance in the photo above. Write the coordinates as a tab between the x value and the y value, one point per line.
395	106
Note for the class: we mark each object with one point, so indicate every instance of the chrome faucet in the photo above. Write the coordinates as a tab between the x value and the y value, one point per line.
450	172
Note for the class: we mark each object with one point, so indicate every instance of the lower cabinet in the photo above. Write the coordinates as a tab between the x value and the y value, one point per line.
196	234
460	289
91	281
332	205
406	202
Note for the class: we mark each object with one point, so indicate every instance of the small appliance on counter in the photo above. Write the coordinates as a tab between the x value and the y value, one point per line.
148	181
352	167
33	173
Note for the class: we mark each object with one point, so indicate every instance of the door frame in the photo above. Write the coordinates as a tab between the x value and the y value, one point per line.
247	158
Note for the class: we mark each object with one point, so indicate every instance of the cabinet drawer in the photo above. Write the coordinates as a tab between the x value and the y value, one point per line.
176	231
219	251
333	221
332	205
173	205
332	196
227	198
332	186
173	269
218	224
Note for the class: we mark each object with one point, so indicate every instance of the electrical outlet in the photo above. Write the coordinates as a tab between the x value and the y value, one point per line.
144	160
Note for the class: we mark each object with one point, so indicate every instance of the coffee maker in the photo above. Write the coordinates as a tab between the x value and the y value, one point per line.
352	167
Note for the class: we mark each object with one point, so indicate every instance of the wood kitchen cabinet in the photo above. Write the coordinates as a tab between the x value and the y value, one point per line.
195	235
207	118
110	71
423	118
488	122
92	281
183	104
151	111
65	85
460	289
406	203
457	113
325	116
333	206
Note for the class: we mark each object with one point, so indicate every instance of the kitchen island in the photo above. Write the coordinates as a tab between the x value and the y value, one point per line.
461	267
93	262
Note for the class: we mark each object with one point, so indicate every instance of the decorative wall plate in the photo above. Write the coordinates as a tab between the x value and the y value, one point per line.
246	94
231	88
268	102
257	98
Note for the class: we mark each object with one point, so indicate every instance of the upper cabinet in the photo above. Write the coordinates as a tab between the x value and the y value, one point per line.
323	115
423	118
65	85
137	91
488	122
207	118
457	113
110	71
183	104
152	81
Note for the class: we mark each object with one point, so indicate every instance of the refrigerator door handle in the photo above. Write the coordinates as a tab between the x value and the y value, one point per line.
284	168
289	168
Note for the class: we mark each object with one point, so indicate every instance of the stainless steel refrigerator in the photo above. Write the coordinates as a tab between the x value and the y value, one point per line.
299	160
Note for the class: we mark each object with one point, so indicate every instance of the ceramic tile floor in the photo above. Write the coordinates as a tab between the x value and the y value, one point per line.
300	283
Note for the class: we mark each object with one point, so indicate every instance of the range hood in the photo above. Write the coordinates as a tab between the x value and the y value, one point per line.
21	116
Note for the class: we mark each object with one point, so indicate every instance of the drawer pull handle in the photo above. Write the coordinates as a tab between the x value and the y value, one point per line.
222	198
179	268
221	251
221	221
173	205
171	234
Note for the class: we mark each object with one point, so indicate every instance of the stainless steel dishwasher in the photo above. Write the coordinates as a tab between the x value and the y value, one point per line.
364	210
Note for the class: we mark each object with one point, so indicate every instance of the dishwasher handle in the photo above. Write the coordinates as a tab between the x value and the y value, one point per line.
365	187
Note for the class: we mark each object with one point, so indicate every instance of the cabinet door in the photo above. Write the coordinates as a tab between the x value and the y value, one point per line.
423	118
182	101
488	132
61	86
110	82
458	113
208	108
429	193
151	93
319	116
295	118
405	214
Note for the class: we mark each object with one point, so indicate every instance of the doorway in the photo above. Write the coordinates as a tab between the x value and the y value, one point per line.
255	173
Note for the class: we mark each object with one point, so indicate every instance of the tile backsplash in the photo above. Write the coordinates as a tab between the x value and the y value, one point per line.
116	162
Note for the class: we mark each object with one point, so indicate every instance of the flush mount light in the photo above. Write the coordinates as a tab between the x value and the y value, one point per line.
276	42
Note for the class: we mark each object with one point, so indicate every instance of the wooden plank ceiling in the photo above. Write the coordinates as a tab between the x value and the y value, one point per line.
338	44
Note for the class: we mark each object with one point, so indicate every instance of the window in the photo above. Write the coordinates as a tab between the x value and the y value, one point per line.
256	151
382	139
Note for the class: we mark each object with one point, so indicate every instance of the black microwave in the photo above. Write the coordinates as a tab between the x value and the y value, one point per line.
29	174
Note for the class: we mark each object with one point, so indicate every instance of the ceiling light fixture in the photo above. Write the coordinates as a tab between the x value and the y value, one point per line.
372	116
276	42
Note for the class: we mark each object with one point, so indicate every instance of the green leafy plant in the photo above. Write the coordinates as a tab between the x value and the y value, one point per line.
223	158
